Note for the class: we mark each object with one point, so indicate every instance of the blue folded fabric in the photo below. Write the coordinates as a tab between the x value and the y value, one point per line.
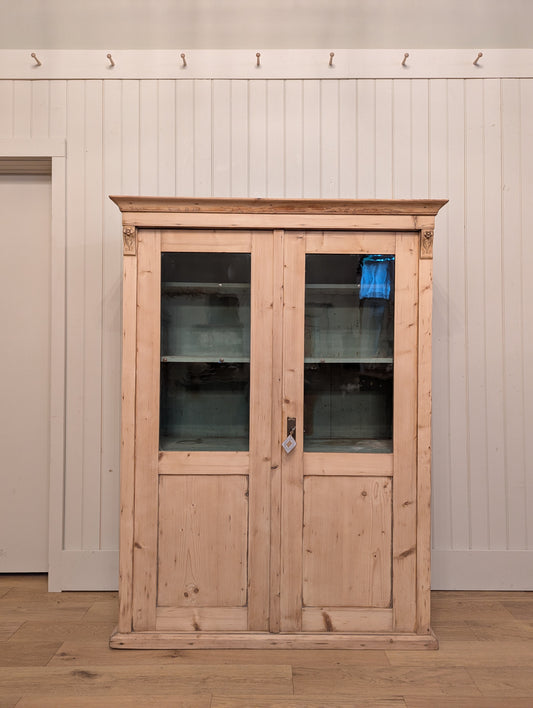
376	277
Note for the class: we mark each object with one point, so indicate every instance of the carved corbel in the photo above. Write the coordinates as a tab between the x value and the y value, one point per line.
129	235
426	243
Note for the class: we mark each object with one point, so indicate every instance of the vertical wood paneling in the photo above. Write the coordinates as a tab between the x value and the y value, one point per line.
439	184
513	313
75	316
166	142
401	136
58	109
222	138
148	137
329	139
40	114
257	138
6	111
475	302
275	139
92	313
293	139
22	109
239	138
348	139
366	139
311	138
419	139
526	111
184	138
111	314
456	326
493	345
384	138
130	137
203	139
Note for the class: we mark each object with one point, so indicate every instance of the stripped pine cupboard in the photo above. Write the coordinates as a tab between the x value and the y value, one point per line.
275	471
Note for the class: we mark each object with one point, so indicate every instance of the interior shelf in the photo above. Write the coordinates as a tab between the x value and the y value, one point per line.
191	287
207	358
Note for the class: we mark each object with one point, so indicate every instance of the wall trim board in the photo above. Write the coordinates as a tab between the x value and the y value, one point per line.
482	570
273	64
55	149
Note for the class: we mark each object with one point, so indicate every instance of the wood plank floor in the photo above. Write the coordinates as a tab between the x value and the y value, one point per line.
54	654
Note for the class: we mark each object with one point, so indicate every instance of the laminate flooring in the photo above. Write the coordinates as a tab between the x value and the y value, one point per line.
54	654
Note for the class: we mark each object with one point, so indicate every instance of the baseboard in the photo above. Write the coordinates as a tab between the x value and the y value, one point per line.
84	570
481	570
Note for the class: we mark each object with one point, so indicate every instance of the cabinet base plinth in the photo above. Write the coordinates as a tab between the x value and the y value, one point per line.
264	640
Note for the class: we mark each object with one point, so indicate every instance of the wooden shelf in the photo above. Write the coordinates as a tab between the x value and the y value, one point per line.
186	287
207	358
347	360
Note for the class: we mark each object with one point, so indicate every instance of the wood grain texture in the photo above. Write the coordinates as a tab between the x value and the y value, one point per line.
194	619
276	431
365	222
203	541
146	430
281	206
339	242
347	542
423	533
127	453
261	315
348	464
346	619
226	241
199	462
404	541
292	407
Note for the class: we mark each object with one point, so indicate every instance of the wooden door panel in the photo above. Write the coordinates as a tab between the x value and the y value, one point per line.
347	541
203	534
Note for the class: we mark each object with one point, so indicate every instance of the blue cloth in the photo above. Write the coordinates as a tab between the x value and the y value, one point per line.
376	277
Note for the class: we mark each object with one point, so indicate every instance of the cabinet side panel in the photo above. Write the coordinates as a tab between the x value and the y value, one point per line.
405	431
127	457
424	446
202	540
347	542
146	430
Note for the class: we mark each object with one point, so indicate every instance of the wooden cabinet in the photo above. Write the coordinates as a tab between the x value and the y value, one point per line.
249	324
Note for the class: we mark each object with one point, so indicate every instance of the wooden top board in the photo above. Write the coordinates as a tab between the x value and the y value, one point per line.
418	207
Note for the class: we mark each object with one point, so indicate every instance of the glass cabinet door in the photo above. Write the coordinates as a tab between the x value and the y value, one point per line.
348	352
205	351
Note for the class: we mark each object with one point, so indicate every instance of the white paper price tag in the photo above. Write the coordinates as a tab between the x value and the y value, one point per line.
289	444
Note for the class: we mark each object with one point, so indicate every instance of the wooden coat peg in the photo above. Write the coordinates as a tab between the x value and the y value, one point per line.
479	55
111	60
331	55
258	59
405	58
183	59
34	56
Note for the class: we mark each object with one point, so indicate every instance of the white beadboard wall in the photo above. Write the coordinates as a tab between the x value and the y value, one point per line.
469	140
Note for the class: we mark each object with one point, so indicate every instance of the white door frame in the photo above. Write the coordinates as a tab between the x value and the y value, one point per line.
54	148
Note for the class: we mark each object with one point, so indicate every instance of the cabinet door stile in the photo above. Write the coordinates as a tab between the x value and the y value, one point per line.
292	463
277	403
147	430
260	432
404	545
